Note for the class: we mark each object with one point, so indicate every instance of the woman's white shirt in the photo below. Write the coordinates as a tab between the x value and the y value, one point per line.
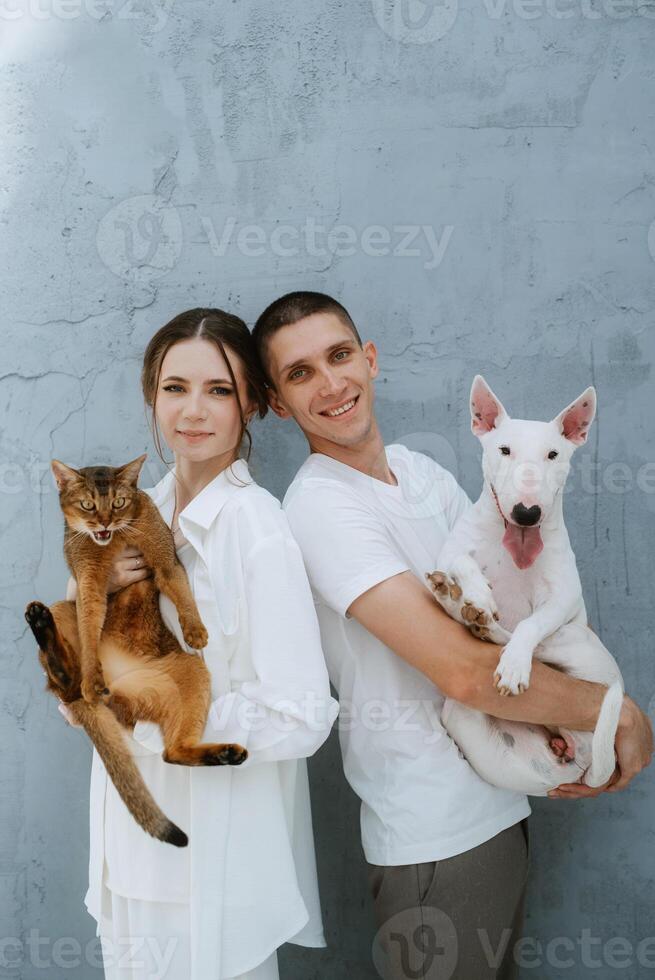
249	871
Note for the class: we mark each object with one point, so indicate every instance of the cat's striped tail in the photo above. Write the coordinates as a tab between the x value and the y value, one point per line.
107	734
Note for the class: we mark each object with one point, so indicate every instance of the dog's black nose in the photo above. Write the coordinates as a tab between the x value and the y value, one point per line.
526	516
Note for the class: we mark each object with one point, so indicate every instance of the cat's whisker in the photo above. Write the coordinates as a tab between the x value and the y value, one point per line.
79	534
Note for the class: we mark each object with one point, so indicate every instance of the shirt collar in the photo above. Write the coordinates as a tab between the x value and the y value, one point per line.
206	505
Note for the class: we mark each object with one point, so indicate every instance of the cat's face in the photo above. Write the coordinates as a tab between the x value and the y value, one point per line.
98	500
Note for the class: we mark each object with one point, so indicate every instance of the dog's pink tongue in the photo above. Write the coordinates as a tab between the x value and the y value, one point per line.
523	544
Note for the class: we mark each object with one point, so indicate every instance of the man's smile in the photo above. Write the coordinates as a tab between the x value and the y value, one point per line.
343	410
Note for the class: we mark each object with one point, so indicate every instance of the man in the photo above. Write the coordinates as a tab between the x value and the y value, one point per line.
447	852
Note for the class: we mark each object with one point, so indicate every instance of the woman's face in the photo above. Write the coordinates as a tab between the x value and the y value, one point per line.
196	406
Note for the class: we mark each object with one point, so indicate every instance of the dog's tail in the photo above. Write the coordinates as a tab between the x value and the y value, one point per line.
602	746
107	735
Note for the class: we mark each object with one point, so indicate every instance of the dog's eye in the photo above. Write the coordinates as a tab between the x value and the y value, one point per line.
505	450
553	454
119	502
87	505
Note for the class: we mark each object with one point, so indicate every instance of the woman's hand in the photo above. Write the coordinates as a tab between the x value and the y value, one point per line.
128	568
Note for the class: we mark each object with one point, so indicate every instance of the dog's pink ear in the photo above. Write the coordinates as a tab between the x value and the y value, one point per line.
487	411
574	421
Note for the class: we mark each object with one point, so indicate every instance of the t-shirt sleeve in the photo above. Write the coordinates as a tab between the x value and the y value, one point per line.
457	500
450	501
345	546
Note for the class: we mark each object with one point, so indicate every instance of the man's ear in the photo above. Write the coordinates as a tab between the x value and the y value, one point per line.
371	355
276	405
249	412
487	410
573	422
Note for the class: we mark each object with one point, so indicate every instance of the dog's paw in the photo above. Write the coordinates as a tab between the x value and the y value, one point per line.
512	675
470	604
446	591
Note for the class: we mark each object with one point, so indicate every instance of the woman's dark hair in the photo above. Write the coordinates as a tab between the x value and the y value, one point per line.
223	330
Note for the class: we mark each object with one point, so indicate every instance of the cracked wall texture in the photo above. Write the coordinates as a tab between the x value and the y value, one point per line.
486	171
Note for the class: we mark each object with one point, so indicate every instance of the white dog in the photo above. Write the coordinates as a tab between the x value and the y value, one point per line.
507	572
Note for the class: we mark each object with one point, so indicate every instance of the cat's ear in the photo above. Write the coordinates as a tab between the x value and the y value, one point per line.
63	474
130	471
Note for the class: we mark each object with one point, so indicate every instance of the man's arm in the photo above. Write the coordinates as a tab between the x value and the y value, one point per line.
403	615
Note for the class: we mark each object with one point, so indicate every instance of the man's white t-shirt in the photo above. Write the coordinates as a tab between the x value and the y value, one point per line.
421	800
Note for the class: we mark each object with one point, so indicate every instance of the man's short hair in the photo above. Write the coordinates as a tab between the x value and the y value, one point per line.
291	308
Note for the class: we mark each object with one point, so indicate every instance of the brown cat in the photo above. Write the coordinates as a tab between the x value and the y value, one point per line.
111	658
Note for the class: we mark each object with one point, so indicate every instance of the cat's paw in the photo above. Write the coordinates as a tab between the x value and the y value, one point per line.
40	621
194	633
229	754
94	688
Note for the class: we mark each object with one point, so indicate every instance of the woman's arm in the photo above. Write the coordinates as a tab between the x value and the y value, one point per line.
287	711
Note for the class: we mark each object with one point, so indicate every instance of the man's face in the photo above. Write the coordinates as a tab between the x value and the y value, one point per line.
323	379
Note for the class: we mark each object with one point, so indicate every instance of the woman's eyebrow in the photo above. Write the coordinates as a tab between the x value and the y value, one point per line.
214	381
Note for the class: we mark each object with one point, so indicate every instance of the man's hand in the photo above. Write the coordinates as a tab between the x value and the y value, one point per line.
634	743
128	568
634	751
578	791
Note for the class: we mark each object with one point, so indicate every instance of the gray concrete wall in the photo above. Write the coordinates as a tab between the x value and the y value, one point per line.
475	181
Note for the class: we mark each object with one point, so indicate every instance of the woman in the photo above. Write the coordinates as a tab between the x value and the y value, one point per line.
246	883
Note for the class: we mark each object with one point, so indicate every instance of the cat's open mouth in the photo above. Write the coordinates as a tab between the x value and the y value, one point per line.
102	537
